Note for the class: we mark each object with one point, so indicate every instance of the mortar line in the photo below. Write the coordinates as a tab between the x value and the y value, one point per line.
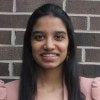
10	69
89	63
88	47
88	23
14	6
83	55
13	38
64	4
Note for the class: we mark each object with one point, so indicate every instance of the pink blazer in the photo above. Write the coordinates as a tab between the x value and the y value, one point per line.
9	91
89	86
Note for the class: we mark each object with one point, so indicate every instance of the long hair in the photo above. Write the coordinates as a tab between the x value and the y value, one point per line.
28	83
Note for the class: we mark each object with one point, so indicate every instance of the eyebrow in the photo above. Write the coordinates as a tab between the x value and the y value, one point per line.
37	32
61	32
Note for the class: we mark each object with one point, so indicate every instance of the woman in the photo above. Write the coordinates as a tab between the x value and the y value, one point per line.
32	64
48	71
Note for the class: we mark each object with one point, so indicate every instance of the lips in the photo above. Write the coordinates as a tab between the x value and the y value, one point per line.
49	54
49	57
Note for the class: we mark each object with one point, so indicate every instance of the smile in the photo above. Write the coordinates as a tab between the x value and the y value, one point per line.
49	57
49	54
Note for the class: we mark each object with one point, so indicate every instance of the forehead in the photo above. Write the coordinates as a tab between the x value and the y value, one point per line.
49	21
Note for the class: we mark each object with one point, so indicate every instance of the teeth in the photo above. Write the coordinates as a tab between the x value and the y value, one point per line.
49	55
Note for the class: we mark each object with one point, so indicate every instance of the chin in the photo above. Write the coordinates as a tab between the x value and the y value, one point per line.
49	66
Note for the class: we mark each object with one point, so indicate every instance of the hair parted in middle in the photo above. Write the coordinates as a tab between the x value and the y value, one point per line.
28	84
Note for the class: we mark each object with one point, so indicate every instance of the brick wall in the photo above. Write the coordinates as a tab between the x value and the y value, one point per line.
85	16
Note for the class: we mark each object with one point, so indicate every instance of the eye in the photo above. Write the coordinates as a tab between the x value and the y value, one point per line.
59	36
38	36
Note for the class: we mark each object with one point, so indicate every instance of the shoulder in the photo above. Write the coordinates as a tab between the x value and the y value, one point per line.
90	87
85	84
84	80
88	81
9	91
13	84
3	92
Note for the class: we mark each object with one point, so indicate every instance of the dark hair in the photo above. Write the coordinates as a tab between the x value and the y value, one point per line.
28	85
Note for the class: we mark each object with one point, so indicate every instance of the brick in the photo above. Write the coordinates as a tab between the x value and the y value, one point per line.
19	37
89	70
93	55
17	69
13	21
95	23
87	39
31	5
83	7
6	5
10	53
79	22
5	37
4	69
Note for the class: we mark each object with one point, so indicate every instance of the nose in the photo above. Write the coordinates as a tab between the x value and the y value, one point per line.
49	44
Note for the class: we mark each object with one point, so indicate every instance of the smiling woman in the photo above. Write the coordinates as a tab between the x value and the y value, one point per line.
49	70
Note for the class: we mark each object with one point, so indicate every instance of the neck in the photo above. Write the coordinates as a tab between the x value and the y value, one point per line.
50	78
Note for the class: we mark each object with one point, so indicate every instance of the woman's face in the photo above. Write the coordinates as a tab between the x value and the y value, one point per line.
49	42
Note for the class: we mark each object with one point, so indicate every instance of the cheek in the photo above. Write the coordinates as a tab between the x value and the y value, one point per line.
33	47
36	47
35	51
64	50
64	47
